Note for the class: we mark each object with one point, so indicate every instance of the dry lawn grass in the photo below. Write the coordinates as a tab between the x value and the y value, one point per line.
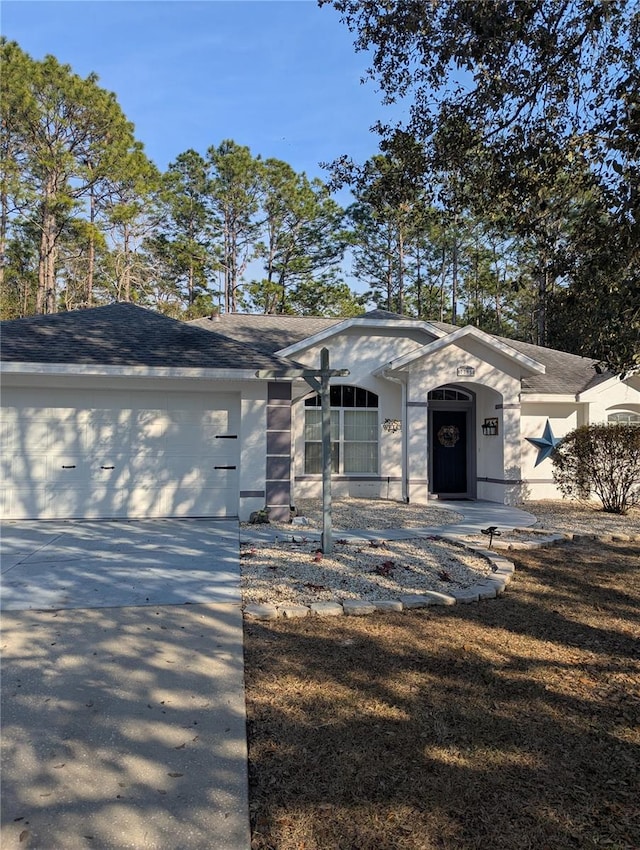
508	725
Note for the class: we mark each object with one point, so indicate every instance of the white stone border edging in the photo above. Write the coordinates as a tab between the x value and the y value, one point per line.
488	588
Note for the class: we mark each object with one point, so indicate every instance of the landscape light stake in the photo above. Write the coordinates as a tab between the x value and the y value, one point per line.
492	531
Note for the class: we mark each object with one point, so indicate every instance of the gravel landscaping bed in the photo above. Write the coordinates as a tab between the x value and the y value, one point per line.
284	572
287	568
347	514
290	570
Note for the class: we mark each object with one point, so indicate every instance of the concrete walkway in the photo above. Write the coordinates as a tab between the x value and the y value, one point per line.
479	515
475	517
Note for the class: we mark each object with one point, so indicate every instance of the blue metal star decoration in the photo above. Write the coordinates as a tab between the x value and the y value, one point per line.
546	444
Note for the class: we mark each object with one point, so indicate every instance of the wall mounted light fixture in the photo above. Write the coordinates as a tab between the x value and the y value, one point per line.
490	427
392	425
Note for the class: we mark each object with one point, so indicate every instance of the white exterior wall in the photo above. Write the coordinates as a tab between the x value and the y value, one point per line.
362	355
490	449
593	407
610	397
563	417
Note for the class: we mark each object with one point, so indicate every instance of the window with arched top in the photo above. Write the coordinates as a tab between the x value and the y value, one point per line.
354	432
624	417
448	394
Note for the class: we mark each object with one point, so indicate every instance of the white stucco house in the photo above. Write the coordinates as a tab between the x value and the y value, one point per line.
118	411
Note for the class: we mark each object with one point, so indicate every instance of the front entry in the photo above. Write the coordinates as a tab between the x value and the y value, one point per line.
449	452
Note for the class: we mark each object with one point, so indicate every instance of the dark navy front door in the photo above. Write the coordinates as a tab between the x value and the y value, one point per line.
449	451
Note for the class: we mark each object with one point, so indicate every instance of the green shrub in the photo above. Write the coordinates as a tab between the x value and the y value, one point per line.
601	459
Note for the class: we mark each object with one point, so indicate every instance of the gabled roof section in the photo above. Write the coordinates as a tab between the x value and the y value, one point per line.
527	362
367	322
562	374
281	333
124	335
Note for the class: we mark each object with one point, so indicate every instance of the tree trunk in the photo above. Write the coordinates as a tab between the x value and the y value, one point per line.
454	284
126	271
46	295
400	271
442	272
418	283
4	224
543	289
92	249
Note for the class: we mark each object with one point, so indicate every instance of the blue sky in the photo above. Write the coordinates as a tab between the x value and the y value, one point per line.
280	76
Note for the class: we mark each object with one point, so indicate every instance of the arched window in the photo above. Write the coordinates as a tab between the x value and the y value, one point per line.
448	394
354	432
624	417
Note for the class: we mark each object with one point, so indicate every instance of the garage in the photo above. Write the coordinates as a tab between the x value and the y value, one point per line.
118	453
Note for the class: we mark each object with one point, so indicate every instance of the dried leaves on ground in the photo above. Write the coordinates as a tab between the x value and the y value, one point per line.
509	725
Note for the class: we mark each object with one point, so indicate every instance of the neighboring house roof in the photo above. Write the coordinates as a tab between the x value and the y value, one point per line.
125	335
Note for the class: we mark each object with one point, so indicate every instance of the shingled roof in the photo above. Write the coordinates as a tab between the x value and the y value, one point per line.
268	333
125	335
128	335
565	373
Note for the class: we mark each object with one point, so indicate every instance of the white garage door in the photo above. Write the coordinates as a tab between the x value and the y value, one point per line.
84	453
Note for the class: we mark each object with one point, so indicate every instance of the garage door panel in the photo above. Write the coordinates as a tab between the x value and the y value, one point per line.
144	500
184	502
34	433
112	472
67	500
8	432
111	453
108	431
17	467
67	471
216	419
23	502
66	436
25	469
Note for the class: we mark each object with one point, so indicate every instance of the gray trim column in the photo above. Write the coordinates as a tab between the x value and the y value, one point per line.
278	464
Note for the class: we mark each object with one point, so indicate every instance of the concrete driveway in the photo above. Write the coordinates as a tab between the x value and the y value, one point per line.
122	686
110	564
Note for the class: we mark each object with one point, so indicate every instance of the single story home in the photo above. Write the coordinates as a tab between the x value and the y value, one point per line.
119	411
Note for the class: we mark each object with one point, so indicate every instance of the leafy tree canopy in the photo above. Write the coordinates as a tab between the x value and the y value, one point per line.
509	95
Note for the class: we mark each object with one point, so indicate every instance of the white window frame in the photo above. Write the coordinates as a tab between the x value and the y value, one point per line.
338	441
623	417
